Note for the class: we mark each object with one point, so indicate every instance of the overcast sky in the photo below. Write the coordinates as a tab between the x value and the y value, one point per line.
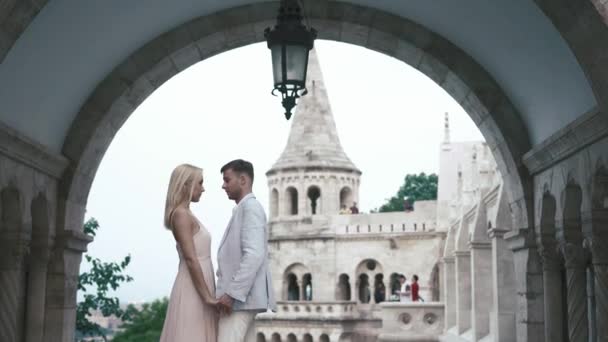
389	117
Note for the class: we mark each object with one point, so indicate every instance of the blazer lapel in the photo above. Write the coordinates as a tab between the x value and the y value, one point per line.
234	214
228	228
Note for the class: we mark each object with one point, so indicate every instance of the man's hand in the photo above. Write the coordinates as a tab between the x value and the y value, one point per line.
225	304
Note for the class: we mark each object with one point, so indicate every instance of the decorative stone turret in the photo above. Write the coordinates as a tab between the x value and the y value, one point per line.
313	175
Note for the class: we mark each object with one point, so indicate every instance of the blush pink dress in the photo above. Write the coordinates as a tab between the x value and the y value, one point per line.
188	318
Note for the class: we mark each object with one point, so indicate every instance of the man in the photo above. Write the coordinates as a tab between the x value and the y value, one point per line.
244	285
354	209
404	290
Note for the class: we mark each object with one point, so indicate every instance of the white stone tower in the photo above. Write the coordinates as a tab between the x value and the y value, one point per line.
313	175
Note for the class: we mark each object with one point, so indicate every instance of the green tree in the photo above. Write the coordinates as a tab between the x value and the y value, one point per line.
145	324
100	279
415	188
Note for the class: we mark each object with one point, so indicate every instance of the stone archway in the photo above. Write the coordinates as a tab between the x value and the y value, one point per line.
131	82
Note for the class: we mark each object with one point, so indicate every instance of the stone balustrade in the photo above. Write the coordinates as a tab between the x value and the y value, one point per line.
313	310
411	321
392	228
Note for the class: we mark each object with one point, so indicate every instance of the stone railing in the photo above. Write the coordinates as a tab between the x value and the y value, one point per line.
410	227
384	223
411	321
312	310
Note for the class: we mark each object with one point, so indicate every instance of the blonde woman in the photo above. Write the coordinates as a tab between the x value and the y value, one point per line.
192	313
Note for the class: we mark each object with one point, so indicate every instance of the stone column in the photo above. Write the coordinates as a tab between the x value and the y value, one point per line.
555	330
599	258
14	247
303	206
36	296
576	287
62	284
481	287
463	293
503	283
529	326
449	279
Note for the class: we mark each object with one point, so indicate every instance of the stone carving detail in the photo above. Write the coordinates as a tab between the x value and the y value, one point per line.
405	318
430	318
14	256
550	257
575	255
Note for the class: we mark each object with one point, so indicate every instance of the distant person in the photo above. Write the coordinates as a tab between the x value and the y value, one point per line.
344	210
404	291
354	209
380	293
408	204
192	309
415	289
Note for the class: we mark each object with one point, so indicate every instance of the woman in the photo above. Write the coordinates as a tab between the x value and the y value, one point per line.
192	314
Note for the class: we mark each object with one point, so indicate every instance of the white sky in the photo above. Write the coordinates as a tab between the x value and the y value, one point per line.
389	117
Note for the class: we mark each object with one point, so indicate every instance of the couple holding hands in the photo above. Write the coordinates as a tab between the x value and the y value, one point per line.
199	310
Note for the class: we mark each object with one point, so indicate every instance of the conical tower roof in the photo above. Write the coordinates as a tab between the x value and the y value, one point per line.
313	140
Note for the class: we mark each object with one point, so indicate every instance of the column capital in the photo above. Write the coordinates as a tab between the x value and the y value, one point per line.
497	232
550	257
41	249
462	253
480	245
519	239
448	260
14	249
75	241
575	255
598	246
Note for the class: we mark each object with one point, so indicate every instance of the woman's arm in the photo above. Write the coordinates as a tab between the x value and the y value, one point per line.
182	231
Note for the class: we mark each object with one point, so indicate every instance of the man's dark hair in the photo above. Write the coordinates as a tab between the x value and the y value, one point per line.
239	166
415	277
401	276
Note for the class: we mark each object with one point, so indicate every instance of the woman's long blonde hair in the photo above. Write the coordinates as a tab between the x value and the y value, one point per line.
180	189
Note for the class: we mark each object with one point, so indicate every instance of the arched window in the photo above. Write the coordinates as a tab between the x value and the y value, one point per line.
274	203
293	289
292	201
314	199
307	338
292	338
343	292
260	337
394	283
379	288
346	197
307	284
364	271
364	291
276	338
324	338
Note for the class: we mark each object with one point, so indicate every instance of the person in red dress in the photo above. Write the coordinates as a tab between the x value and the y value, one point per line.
415	288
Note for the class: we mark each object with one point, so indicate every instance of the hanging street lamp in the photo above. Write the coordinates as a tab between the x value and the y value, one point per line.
289	43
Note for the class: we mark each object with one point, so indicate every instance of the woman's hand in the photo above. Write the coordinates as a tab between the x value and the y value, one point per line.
211	301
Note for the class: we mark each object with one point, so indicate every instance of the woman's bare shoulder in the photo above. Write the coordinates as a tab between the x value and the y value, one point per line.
181	218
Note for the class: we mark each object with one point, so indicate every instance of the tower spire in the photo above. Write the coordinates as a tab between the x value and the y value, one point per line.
313	139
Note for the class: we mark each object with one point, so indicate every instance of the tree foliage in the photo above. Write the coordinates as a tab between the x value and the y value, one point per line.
95	284
415	188
146	324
